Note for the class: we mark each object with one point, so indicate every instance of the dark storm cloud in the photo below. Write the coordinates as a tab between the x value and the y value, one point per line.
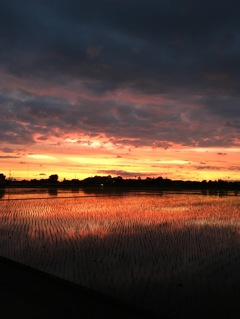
187	50
226	106
24	115
154	46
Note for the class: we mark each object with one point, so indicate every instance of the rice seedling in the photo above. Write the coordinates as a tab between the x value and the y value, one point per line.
150	250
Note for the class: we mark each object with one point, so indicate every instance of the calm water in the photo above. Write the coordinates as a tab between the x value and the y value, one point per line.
161	250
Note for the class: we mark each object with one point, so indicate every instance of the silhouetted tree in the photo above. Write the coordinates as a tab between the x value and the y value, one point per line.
53	178
2	179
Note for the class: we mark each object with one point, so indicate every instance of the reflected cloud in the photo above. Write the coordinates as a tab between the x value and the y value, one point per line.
136	248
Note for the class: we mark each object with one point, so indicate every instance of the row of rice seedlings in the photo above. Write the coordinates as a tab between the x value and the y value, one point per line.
131	247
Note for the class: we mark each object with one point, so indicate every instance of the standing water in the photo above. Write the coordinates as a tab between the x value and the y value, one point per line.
174	253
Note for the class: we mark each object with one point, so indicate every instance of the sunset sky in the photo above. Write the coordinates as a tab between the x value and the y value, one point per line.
120	87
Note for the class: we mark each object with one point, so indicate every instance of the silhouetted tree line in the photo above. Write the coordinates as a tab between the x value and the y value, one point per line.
109	181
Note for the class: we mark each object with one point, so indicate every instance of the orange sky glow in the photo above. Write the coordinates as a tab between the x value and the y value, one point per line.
70	160
75	154
113	88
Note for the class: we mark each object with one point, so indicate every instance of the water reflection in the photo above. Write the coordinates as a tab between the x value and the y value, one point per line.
27	193
53	191
164	251
220	192
2	192
118	191
167	269
38	193
75	190
104	191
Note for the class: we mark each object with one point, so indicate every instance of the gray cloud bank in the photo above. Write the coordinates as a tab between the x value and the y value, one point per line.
185	51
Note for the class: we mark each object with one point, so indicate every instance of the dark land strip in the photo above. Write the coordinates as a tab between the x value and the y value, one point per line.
29	293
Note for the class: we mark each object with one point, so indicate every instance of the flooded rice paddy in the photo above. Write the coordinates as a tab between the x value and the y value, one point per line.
172	253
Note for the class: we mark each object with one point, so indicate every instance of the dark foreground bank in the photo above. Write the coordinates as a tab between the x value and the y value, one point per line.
29	293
